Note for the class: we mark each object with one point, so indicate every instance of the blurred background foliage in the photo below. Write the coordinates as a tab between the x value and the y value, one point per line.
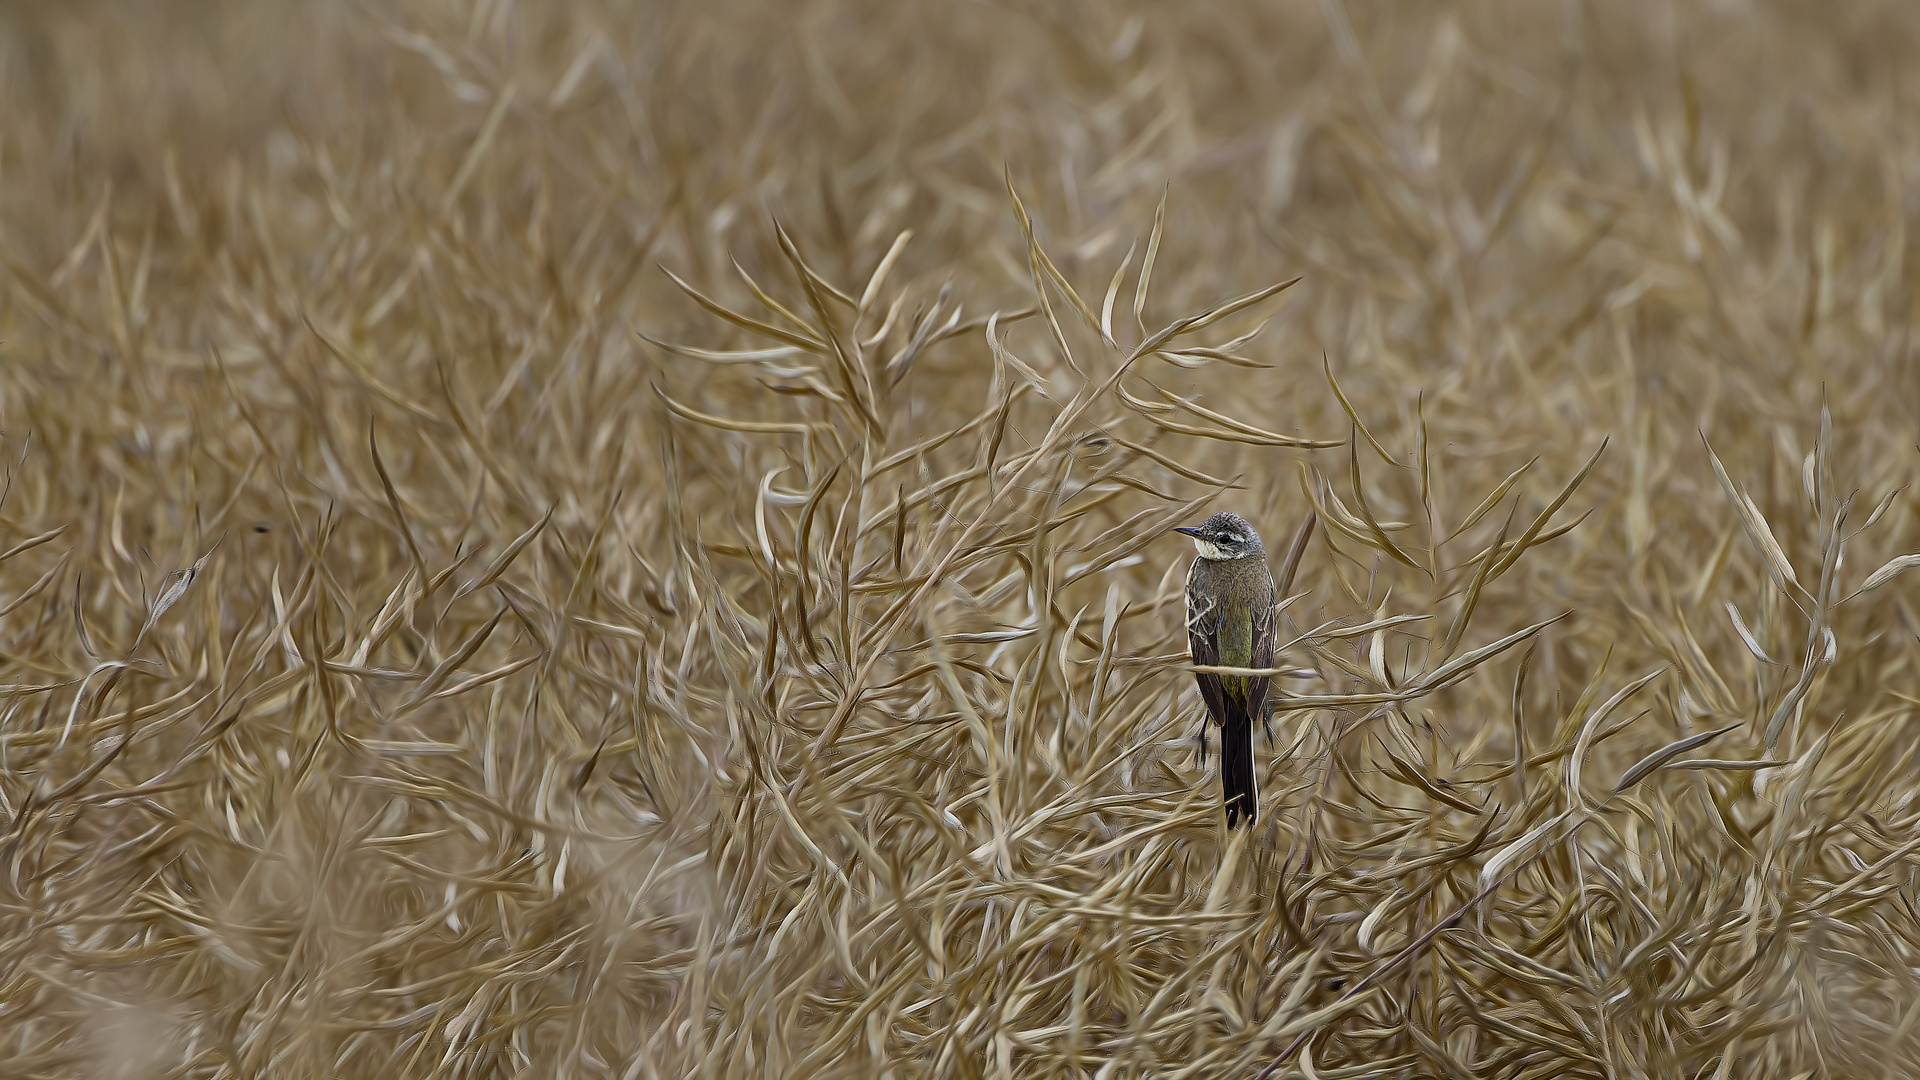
508	722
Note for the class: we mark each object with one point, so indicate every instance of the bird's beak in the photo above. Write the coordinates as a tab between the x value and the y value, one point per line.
1187	529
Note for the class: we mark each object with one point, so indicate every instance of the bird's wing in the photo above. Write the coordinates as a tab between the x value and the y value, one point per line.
1265	626
1203	644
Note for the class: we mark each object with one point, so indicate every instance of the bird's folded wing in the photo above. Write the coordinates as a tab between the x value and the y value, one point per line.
1265	620
1203	643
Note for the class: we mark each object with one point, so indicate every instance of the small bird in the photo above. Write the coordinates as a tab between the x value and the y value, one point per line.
1230	623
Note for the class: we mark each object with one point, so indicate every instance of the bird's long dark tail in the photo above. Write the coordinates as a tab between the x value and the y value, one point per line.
1236	764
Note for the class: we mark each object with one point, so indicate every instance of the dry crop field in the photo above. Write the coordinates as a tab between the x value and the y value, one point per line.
631	541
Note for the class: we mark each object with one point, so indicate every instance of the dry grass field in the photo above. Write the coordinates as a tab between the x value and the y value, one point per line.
600	541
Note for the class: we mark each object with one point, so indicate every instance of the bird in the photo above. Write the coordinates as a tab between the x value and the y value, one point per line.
1230	623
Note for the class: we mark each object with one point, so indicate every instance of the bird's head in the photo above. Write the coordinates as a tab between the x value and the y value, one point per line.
1225	536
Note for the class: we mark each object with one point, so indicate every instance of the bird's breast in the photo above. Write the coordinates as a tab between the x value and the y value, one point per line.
1236	635
1237	587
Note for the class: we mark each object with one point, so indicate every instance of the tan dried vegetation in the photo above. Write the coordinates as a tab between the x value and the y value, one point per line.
573	540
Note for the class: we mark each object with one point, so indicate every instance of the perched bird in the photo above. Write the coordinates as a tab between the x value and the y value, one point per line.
1230	623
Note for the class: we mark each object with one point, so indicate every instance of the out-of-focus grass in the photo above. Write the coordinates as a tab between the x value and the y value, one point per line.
780	673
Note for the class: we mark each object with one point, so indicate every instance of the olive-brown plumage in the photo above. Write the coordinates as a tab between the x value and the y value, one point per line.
1230	623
